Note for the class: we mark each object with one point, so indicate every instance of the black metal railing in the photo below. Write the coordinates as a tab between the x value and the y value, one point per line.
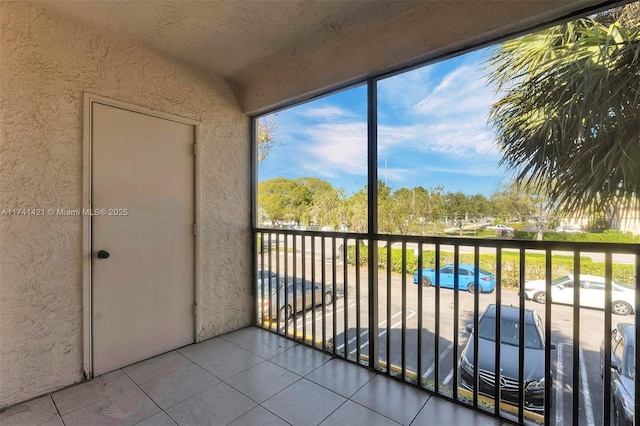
325	292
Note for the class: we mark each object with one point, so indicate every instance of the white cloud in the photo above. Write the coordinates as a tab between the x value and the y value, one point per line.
437	126
392	138
334	149
451	120
325	112
461	92
397	174
404	91
452	139
459	139
471	169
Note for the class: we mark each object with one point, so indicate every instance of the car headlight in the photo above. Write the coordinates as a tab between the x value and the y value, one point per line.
535	385
465	364
627	404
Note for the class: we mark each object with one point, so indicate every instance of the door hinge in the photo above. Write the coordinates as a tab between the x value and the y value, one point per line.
195	310
195	149
195	229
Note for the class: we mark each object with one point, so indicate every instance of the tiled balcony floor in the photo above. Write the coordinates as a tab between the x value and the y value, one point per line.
247	377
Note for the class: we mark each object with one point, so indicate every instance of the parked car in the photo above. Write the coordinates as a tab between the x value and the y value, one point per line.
534	350
623	372
503	228
265	274
466	278
291	289
570	229
591	293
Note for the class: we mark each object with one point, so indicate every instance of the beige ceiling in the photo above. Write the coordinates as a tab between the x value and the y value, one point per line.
274	52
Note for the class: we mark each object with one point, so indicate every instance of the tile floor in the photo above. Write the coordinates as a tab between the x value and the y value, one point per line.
247	377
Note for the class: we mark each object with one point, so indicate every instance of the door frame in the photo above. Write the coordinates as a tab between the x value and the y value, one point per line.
87	173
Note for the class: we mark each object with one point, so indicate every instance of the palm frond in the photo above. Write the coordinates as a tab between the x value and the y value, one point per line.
568	121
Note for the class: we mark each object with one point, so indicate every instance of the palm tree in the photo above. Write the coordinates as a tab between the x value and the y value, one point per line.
568	122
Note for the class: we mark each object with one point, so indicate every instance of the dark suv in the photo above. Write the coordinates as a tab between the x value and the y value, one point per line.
534	367
623	372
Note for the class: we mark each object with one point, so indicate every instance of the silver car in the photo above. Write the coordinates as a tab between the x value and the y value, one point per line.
282	298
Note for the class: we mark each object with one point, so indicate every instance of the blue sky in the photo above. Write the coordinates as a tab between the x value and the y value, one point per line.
432	131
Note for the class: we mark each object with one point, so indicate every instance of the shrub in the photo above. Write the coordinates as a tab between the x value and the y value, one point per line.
535	264
608	236
525	235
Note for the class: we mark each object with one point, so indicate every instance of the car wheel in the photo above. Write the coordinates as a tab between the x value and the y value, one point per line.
426	282
621	308
616	414
285	313
471	288
540	297
328	298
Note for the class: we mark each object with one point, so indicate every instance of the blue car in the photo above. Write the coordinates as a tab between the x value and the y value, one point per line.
466	275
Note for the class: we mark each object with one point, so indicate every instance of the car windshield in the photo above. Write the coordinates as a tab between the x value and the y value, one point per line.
289	288
622	286
482	271
510	333
561	280
270	290
628	367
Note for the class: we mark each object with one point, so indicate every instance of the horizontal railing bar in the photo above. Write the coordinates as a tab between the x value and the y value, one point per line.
618	248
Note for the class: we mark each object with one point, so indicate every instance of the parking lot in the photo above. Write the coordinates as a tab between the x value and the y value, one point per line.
394	323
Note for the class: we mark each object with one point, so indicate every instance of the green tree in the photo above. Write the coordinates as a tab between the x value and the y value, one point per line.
356	211
283	200
568	122
267	128
315	185
511	201
327	207
457	204
392	212
542	213
479	205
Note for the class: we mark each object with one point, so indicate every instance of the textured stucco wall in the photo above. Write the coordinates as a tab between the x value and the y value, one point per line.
46	63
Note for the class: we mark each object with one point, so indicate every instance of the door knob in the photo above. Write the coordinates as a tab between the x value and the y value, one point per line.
103	254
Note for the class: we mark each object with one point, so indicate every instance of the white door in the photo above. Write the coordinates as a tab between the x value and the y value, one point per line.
142	193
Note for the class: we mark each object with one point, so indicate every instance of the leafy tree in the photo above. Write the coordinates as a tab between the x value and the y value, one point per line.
479	205
457	204
267	128
328	208
283	200
541	214
356	211
400	214
392	211
511	201
568	122
434	206
315	185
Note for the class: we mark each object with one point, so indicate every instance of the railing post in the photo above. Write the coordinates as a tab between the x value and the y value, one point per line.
521	322
606	374
575	406
636	309
372	222
256	293
456	315
547	336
